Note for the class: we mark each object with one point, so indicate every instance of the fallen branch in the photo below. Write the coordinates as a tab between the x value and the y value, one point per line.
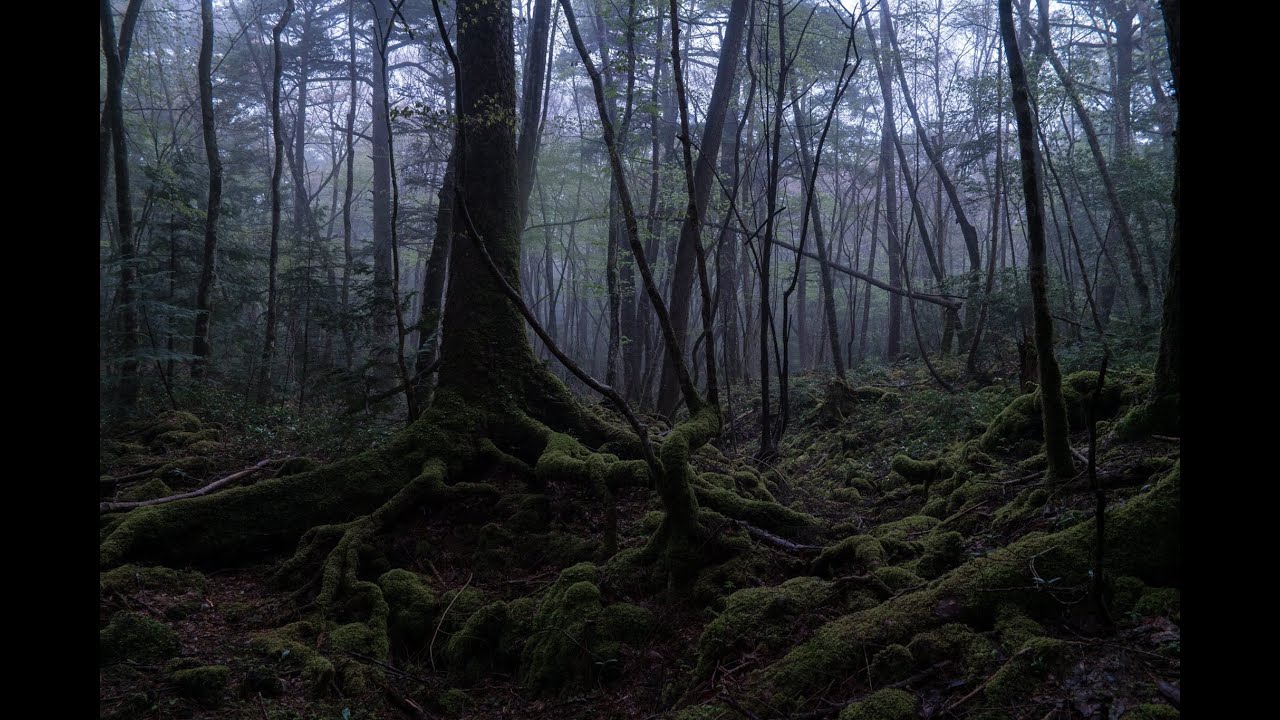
443	615
107	507
986	682
770	539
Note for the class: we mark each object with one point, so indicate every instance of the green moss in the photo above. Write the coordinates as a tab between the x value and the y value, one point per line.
891	664
886	704
853	554
764	514
920	471
935	508
1023	673
136	638
942	552
897	578
296	466
128	579
454	702
847	495
1019	426
1155	417
149	490
176	421
203	684
1159	601
651	520
971	652
203	447
194	466
719	581
568	645
293	647
759	617
628	623
476	649
906	527
412	608
1125	592
1151	711
1014	628
753	485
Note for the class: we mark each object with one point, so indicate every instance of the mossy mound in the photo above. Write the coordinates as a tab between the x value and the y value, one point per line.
759	617
412	608
1014	628
205	684
957	642
942	552
136	638
149	490
892	664
1026	669
476	649
1019	424
293	648
854	554
887	704
128	579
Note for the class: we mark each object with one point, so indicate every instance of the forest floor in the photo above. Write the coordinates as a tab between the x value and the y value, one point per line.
877	528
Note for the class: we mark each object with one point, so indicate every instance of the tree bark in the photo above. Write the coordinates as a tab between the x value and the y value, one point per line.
200	346
1053	409
277	134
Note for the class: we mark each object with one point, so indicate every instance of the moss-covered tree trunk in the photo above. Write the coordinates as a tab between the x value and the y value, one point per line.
1053	409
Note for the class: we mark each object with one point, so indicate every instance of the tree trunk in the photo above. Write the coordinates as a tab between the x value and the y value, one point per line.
1168	381
200	341
703	174
277	134
1053	409
127	389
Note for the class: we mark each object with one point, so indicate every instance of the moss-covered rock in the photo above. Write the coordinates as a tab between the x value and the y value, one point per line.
857	553
205	684
136	638
897	578
412	607
886	704
1025	670
149	490
454	702
128	579
476	649
1159	601
957	642
942	552
920	471
1014	628
759	617
294	648
559	654
891	664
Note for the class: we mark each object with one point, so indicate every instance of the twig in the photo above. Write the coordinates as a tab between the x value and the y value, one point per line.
443	615
107	507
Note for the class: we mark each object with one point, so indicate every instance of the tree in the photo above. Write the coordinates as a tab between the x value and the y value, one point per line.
1053	409
200	341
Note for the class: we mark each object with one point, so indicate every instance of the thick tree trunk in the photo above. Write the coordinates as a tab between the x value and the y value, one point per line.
893	342
1053	409
200	346
433	286
1169	363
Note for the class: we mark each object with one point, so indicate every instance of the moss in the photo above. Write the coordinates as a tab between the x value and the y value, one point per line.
935	508
897	578
920	471
567	645
1151	711
173	439
759	617
128	579
906	527
132	706
847	495
886	704
260	681
970	651
136	638
175	421
628	623
476	649
412	608
753	485
1014	628
1018	425
764	514
454	702
293	646
296	466
1125	591
1159	601
860	552
719	480
149	490
891	664
203	447
651	520
942	552
521	614
739	572
194	466
1023	673
203	684
1161	416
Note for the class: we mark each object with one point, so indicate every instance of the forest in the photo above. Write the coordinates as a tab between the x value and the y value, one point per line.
639	359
